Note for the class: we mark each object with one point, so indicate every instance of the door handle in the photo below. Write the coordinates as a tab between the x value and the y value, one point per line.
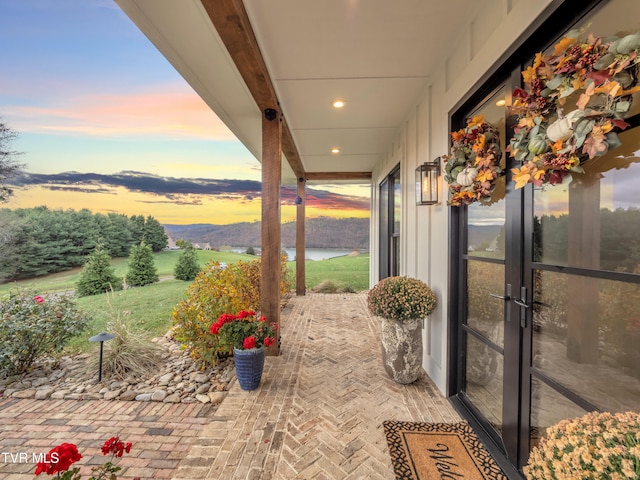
524	305
501	297
506	297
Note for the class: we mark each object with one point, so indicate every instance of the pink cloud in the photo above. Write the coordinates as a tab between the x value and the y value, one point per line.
168	114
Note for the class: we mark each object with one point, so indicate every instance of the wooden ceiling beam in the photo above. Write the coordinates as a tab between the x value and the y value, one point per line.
230	19
328	176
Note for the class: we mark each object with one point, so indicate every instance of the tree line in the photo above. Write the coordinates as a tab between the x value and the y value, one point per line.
38	241
322	232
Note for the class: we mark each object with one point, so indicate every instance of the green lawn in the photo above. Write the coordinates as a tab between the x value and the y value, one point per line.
345	271
165	262
149	308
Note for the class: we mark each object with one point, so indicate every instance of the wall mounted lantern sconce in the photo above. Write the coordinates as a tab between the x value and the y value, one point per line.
427	182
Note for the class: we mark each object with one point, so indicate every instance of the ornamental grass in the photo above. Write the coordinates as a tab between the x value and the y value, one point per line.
401	298
129	353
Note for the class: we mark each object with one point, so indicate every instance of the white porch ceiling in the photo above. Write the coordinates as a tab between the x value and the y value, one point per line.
377	55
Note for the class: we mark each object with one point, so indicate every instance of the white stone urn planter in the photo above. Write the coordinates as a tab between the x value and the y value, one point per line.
402	349
402	303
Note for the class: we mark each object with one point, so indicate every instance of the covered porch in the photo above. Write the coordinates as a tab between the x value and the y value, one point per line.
319	410
318	93
317	414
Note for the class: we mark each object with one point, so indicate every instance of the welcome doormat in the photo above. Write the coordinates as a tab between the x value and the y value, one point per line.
432	451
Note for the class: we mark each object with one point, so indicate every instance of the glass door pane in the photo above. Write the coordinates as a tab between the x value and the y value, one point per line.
484	259
586	326
390	214
395	234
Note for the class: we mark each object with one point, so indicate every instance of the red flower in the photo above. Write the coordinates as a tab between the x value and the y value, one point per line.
268	341
245	314
66	454
263	318
38	299
249	343
226	318
116	446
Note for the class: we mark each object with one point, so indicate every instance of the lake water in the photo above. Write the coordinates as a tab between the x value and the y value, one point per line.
310	253
318	253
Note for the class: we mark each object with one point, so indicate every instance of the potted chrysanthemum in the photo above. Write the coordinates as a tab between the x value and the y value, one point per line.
246	334
598	445
402	303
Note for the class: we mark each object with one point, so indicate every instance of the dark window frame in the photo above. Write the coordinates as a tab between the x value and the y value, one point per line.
388	237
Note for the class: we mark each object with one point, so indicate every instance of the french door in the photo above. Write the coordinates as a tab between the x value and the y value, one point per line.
493	299
547	289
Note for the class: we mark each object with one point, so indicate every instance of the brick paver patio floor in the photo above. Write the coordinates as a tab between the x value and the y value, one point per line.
317	415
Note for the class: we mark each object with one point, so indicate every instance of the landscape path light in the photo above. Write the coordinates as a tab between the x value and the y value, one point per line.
101	337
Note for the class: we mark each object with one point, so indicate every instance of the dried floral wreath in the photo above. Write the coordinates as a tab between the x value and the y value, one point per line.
552	142
474	164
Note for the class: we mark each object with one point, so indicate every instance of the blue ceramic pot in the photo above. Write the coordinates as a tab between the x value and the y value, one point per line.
249	366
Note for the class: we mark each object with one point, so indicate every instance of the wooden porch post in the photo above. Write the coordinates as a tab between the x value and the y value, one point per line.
271	236
300	239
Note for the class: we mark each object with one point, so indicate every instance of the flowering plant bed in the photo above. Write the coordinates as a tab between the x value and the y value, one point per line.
558	130
244	331
60	458
593	447
33	326
401	298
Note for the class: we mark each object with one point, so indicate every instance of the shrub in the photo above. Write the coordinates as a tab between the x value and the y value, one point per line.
217	290
401	298
97	274
142	269
187	266
328	286
32	326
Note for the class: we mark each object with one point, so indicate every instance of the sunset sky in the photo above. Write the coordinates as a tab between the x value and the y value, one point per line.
106	123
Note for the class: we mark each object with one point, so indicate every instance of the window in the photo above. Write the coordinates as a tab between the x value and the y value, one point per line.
390	213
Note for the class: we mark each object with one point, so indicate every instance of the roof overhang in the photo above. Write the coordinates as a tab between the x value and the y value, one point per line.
375	54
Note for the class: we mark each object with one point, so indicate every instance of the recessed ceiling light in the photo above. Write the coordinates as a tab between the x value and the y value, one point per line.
335	150
338	103
501	103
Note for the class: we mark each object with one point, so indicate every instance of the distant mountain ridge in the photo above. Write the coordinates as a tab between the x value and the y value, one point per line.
323	232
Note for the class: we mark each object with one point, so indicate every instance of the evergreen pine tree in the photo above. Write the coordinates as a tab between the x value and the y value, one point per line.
142	268
97	275
136	225
187	266
154	234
